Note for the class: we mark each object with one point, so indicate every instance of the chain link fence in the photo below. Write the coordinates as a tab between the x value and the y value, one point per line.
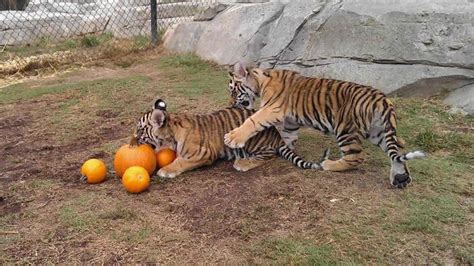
27	21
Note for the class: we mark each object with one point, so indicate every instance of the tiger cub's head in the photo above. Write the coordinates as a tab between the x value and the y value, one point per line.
240	97
245	85
152	128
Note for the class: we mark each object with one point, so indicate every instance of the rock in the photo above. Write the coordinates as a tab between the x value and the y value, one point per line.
423	47
184	39
210	12
214	40
251	1
457	111
462	98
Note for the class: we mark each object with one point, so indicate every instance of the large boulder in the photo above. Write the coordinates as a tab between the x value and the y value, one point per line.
215	40
406	47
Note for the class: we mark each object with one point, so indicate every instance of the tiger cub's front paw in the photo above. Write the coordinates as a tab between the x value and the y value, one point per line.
163	172
234	139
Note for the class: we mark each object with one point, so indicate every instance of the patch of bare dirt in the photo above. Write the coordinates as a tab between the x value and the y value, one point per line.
30	149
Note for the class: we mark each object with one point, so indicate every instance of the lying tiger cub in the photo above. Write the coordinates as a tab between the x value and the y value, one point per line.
198	140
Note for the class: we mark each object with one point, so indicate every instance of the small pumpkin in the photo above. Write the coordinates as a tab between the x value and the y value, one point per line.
130	155
94	170
136	179
164	157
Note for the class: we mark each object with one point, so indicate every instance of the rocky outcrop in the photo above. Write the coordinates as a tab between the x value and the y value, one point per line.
209	12
406	47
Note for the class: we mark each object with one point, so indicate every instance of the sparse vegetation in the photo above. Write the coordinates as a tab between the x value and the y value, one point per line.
293	251
185	74
96	40
273	215
47	54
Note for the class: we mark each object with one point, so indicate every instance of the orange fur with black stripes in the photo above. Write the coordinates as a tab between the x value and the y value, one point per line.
198	140
351	111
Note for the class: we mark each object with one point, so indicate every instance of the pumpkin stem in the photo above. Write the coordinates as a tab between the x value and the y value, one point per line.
133	141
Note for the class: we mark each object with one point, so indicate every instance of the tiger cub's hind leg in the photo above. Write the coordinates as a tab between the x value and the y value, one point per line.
245	164
383	134
352	153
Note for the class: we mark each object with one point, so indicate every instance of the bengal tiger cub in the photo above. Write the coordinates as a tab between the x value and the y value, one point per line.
350	111
198	140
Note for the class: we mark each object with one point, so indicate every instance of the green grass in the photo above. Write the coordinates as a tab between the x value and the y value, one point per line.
96	40
431	141
99	88
119	213
133	236
296	251
428	125
429	215
42	46
46	45
78	213
195	78
77	220
141	42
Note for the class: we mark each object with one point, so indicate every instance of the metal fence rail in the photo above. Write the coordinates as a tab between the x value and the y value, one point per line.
27	21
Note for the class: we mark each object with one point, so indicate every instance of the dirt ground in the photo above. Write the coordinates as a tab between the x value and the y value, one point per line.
274	214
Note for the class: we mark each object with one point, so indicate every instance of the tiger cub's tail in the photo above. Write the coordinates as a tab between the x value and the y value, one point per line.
288	154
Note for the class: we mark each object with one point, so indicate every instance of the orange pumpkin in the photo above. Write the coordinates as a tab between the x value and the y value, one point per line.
136	179
164	157
94	170
129	155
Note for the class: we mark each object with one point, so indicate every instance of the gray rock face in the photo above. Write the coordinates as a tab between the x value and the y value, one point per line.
214	40
462	98
210	12
406	47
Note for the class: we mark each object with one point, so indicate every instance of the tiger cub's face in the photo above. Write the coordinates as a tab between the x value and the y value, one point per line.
241	97
245	85
153	129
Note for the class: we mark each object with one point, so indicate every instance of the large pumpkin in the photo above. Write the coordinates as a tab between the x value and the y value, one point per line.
130	155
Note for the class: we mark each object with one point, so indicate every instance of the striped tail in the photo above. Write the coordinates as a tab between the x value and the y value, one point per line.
393	144
408	156
288	154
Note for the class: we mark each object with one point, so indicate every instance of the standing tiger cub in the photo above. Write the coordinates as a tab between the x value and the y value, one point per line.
198	140
350	111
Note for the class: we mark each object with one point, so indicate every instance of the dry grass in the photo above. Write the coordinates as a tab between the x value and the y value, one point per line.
274	214
47	57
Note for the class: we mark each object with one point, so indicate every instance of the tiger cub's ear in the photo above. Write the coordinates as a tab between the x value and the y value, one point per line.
158	118
240	72
159	114
160	105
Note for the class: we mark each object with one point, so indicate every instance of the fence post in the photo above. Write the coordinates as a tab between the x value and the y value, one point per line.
154	25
